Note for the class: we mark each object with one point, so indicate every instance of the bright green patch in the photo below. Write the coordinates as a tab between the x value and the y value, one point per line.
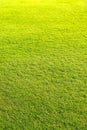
43	65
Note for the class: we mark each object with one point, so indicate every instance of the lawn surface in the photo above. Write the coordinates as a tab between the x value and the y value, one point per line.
43	65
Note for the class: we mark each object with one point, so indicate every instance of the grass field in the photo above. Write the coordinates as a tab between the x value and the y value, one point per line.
43	65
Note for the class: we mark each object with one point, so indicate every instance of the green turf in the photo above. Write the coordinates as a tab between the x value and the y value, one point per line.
43	65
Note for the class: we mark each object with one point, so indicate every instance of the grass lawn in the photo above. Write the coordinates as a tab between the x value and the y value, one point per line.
43	65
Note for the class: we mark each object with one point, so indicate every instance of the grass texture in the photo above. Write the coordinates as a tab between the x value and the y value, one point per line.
43	65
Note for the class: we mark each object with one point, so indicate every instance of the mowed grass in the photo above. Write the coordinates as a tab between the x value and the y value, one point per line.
43	65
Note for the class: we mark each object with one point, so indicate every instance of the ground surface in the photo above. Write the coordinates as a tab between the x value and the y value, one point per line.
43	65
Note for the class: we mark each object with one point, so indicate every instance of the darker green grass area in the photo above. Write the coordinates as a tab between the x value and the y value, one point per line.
43	65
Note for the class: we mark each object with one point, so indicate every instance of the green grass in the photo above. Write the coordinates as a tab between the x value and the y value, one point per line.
43	65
